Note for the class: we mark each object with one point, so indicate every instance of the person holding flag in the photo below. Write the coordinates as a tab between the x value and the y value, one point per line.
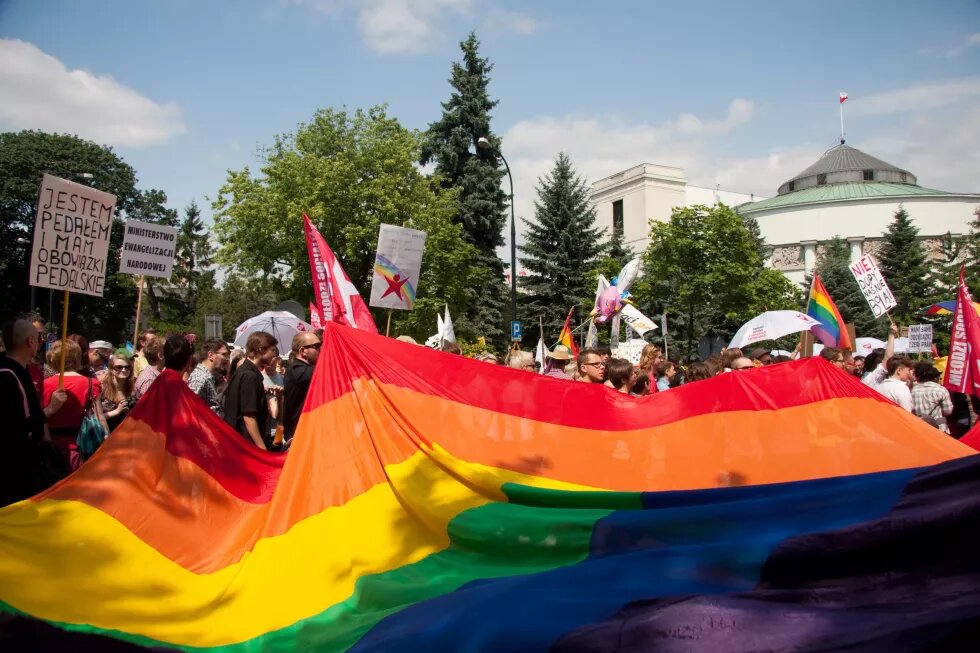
831	331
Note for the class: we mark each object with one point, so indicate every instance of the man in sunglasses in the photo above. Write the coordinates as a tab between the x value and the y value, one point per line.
204	379
305	352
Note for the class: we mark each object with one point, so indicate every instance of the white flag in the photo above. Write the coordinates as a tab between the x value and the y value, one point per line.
539	355
448	333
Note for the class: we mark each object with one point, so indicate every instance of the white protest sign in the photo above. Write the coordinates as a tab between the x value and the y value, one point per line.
148	249
636	320
873	285
630	350
397	264
920	338
71	237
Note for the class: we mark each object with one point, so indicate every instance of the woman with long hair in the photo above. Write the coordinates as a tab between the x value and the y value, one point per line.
65	423
117	391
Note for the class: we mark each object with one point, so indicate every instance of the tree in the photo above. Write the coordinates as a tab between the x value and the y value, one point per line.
904	266
562	246
350	173
834	269
702	268
476	174
24	158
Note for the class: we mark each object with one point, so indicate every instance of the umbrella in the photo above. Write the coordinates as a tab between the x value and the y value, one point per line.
866	345
771	325
283	325
947	308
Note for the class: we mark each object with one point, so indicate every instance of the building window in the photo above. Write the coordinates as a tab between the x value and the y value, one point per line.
869	175
792	186
618	217
821	180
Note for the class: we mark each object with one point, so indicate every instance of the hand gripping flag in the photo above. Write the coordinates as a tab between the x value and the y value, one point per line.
432	502
336	297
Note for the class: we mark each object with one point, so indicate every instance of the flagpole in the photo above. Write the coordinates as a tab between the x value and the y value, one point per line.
842	99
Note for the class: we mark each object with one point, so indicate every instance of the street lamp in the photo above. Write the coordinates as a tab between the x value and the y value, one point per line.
485	144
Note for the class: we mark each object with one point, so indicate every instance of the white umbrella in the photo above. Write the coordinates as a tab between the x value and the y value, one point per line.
771	325
283	325
866	345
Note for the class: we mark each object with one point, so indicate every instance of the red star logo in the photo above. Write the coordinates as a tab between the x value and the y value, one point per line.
395	286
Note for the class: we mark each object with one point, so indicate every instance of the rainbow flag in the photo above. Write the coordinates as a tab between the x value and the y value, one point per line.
565	337
947	308
433	502
831	330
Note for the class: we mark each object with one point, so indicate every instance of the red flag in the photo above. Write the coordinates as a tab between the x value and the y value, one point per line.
336	296
843	98
316	319
963	366
565	337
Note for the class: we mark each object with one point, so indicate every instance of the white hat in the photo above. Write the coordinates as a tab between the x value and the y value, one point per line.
100	344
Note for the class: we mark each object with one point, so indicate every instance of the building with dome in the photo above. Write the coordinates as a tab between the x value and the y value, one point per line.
846	193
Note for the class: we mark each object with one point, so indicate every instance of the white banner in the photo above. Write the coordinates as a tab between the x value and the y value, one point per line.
873	285
71	237
397	265
637	320
148	249
920	338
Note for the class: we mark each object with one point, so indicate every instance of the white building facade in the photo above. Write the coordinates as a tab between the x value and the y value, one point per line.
846	193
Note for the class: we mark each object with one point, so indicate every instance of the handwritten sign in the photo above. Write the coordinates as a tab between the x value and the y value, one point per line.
873	285
397	265
920	338
148	249
71	237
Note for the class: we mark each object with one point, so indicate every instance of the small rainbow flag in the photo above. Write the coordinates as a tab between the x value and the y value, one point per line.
831	331
565	337
947	308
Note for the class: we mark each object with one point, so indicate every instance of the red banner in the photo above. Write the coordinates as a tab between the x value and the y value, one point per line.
963	366
316	319
336	297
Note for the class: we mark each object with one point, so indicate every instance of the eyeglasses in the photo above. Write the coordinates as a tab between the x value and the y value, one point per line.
599	364
121	368
315	345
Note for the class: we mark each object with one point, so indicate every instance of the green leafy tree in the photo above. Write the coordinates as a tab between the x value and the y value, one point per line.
238	299
476	174
350	173
562	246
24	158
833	266
905	268
702	268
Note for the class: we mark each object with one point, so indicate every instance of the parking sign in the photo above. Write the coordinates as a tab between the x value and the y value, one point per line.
516	330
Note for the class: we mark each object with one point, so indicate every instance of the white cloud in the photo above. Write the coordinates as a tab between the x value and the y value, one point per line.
951	52
41	93
919	97
973	39
510	21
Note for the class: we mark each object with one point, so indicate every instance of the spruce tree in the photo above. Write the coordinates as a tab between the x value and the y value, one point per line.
562	247
970	246
477	174
833	266
906	270
193	257
617	249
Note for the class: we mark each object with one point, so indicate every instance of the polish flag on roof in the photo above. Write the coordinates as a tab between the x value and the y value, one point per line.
843	97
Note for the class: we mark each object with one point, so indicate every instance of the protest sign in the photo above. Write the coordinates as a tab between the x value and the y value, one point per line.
636	320
397	264
71	237
920	338
148	249
873	285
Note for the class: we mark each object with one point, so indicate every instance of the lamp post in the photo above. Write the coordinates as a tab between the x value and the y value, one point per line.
484	143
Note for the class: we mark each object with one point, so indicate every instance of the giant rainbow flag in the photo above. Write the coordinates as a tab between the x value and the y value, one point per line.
435	503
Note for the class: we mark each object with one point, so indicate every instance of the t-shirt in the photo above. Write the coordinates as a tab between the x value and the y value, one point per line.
69	416
297	380
246	396
897	391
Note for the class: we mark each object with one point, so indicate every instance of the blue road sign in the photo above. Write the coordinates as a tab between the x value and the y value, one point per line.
516	330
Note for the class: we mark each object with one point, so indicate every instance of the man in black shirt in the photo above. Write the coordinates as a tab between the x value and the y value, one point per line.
246	407
21	412
306	351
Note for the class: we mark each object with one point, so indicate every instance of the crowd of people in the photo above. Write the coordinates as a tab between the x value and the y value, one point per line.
260	394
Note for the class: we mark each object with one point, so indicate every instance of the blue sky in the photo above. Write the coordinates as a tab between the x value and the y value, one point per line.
738	94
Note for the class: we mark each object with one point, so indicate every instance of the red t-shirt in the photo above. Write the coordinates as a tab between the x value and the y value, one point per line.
69	416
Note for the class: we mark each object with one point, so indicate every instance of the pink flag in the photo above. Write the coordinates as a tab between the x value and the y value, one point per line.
316	319
336	296
843	97
963	365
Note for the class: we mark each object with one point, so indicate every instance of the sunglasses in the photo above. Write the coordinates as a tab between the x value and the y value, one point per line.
120	368
313	346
